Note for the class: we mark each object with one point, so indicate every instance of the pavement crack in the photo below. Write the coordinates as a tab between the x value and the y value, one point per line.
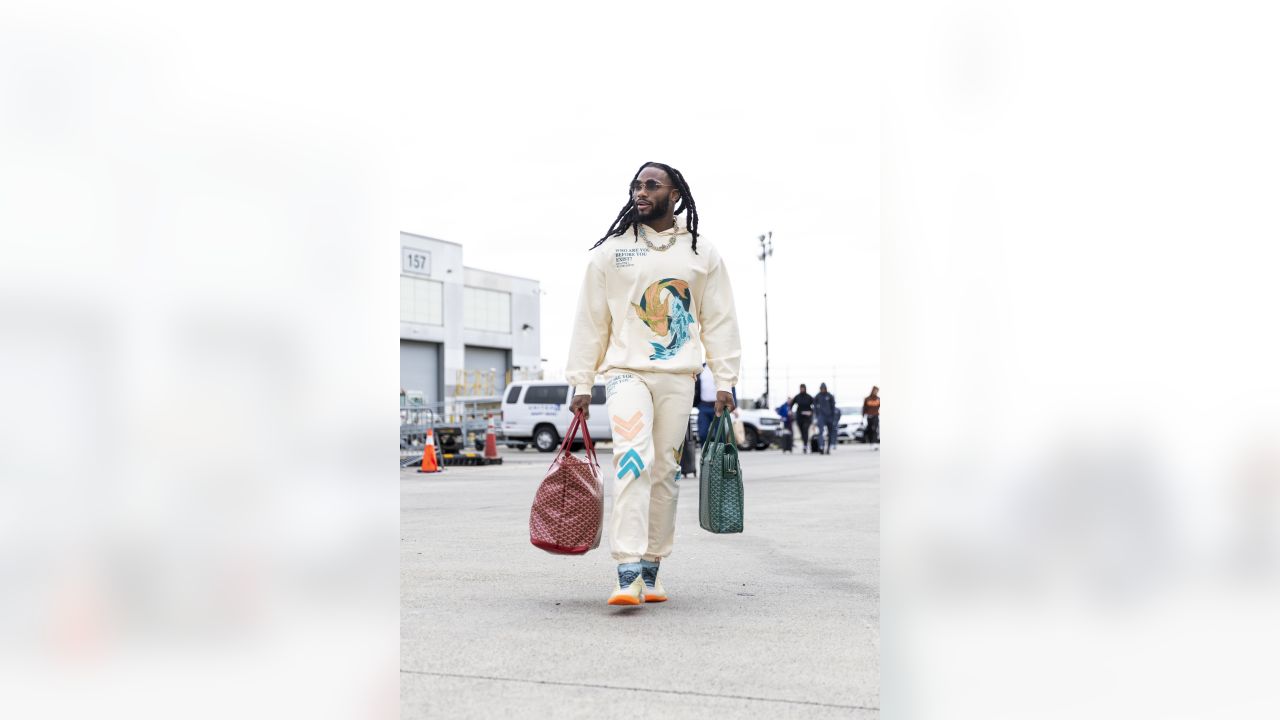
636	689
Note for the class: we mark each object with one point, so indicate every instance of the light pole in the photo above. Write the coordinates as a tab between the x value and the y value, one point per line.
766	250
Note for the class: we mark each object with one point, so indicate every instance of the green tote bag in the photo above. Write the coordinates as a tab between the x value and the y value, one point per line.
720	480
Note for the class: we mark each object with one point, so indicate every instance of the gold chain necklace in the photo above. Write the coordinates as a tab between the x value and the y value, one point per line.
675	231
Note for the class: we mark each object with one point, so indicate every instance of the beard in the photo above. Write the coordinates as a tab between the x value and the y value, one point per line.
656	210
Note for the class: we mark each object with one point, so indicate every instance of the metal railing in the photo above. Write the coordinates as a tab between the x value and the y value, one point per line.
458	424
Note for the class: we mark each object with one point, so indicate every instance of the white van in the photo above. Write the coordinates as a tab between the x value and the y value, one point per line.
536	412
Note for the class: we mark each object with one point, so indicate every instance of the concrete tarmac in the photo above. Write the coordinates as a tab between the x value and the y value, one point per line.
780	621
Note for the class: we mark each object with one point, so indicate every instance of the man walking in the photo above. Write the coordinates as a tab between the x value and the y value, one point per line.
655	297
803	406
824	409
871	411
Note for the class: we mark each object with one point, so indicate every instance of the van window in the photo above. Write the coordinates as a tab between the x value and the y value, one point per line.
514	393
546	394
597	395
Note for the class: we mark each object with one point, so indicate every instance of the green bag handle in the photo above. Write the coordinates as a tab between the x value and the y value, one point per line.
730	438
720	431
712	431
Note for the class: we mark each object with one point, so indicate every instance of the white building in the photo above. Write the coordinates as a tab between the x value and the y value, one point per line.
464	333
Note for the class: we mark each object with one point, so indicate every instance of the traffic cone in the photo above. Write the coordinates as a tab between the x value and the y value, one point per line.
429	464
490	442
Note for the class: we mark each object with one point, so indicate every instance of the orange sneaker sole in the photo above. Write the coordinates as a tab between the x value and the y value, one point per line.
624	600
655	598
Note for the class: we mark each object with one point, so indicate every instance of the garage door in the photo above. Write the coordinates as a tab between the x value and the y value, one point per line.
485	359
420	369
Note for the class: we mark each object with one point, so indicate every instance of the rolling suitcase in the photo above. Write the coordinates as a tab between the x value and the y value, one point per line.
786	441
689	455
815	444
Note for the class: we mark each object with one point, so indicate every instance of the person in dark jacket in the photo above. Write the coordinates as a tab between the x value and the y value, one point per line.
802	404
824	411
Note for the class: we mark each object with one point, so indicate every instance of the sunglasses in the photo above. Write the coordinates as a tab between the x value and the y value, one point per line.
650	185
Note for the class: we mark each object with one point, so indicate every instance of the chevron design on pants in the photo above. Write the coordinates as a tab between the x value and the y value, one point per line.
628	429
630	463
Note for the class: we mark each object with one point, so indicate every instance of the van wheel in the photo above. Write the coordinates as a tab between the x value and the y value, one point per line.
545	438
752	438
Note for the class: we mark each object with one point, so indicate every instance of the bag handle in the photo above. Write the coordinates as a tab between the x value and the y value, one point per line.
567	442
586	442
713	431
719	431
570	434
730	437
578	424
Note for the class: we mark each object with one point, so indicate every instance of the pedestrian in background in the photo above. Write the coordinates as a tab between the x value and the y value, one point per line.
871	412
824	411
787	439
704	387
704	398
650	305
784	412
803	406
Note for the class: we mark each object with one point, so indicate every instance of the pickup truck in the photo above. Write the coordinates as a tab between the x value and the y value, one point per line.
761	426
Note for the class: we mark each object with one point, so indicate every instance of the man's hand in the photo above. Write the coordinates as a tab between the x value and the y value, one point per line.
724	401
582	404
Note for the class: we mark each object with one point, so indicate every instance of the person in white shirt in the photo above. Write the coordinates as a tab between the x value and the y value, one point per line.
705	400
655	299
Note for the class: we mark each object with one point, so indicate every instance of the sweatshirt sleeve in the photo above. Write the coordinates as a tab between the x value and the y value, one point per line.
591	326
719	321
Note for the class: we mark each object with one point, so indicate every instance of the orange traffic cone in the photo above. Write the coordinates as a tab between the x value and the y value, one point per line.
429	464
490	442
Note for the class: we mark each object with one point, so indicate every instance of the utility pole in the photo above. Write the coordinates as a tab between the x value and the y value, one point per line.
766	250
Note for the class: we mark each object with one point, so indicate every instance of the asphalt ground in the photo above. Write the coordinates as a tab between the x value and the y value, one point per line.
781	620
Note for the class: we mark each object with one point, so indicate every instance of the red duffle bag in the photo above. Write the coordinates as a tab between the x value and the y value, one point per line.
568	511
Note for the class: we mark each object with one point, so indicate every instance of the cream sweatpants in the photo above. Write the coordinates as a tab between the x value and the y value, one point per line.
649	415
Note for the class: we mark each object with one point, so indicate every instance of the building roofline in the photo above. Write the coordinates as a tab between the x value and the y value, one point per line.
491	272
428	237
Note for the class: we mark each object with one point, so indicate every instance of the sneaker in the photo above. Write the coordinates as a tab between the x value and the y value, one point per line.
630	589
653	590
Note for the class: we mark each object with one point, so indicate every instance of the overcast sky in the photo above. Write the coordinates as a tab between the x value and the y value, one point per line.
527	141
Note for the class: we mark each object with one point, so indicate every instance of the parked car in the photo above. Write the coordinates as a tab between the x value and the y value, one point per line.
852	425
536	412
761	426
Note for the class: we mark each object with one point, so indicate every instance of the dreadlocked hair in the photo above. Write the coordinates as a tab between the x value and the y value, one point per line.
628	218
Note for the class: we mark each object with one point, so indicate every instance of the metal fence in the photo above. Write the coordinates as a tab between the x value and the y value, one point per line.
458	425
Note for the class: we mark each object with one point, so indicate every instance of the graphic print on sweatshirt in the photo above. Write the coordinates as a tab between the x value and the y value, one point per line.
666	318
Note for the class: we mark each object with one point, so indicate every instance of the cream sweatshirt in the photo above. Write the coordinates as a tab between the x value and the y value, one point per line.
654	311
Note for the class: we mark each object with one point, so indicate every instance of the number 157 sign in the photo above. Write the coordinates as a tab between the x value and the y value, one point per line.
415	261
